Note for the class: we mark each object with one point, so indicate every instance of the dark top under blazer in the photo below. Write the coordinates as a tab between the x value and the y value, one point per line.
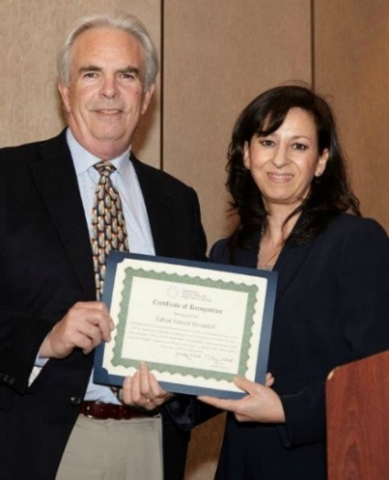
46	267
332	307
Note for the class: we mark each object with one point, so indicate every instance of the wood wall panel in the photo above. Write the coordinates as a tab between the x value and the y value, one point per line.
31	33
351	66
218	55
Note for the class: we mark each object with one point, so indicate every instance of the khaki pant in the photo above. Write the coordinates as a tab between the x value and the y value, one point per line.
113	450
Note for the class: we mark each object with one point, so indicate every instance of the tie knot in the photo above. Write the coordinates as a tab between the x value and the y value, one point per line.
104	168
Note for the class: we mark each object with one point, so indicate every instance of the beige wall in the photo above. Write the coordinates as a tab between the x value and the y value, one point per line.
30	36
352	67
218	55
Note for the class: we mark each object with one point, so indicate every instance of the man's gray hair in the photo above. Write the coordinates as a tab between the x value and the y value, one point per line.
127	23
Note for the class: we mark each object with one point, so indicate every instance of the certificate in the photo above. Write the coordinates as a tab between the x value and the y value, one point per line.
196	324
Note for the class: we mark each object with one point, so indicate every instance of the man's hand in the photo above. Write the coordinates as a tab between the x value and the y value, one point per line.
143	390
85	326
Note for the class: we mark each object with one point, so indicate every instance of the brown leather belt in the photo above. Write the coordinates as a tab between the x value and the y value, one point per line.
104	411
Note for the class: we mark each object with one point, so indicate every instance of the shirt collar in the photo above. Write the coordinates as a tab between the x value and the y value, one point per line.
83	160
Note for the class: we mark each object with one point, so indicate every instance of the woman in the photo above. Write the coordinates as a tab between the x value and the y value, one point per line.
299	217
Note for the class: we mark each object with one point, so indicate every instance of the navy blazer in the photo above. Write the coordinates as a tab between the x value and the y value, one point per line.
46	267
332	307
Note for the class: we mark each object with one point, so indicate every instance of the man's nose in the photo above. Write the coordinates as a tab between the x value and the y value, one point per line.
109	87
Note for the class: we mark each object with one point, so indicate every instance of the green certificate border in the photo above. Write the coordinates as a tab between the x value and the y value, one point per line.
131	273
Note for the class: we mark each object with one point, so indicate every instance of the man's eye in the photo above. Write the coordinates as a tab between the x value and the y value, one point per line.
129	76
90	75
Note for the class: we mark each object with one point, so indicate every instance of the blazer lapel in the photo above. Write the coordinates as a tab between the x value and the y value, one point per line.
56	179
288	263
248	258
291	260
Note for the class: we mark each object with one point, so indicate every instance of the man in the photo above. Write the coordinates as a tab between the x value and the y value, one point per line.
54	422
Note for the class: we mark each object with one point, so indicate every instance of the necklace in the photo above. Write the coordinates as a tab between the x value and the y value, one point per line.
266	265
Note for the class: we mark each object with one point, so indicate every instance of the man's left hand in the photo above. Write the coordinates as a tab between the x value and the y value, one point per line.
143	390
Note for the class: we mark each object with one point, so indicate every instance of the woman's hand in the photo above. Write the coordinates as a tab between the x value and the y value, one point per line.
143	390
261	404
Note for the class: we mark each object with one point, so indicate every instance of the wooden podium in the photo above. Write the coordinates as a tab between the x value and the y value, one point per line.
358	420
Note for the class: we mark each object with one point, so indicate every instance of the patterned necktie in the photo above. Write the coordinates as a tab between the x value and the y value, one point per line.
108	224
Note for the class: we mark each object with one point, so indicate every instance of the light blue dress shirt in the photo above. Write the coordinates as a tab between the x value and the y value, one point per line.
140	238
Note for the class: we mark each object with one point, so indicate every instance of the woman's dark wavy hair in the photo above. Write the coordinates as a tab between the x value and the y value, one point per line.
330	193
